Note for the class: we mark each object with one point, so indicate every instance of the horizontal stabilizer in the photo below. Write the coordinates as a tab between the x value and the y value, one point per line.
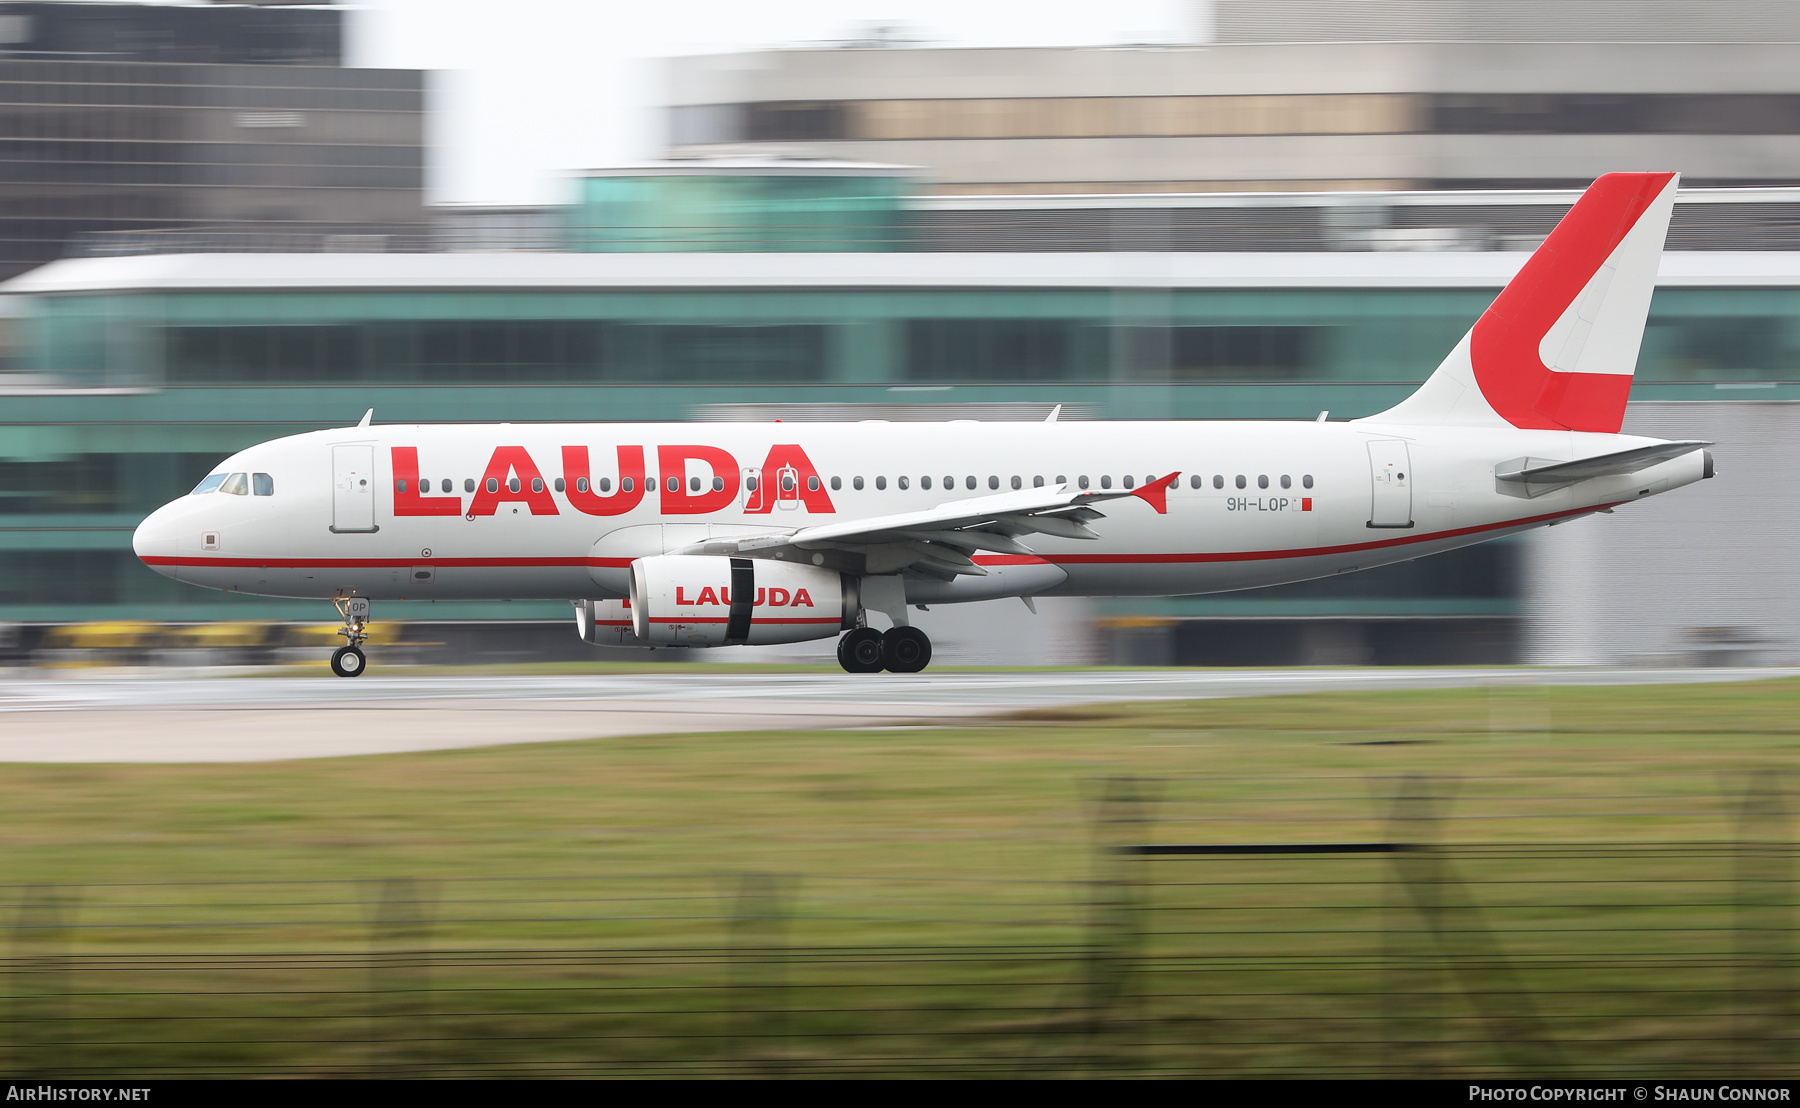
1537	475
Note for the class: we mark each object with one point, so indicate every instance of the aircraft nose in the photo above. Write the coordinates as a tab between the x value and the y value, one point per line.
154	541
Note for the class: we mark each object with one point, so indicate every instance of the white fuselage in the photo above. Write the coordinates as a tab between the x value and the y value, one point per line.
1432	488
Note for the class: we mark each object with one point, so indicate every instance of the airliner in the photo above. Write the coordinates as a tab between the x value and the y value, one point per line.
701	535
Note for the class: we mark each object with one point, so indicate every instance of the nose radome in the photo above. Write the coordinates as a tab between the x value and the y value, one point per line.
154	540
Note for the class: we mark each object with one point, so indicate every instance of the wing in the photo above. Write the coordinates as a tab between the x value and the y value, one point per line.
942	541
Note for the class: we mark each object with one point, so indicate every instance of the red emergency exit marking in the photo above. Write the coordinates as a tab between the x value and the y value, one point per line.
1306	503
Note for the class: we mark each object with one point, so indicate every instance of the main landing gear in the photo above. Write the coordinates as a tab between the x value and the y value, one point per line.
349	660
900	650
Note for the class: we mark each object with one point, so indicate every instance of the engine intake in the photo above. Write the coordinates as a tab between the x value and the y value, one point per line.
708	600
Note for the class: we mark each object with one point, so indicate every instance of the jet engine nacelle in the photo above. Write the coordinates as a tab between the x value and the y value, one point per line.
712	600
604	623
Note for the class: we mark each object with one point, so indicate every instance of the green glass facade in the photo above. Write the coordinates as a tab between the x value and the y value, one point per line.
127	399
740	211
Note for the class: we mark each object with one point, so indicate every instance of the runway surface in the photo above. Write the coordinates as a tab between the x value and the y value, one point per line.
177	716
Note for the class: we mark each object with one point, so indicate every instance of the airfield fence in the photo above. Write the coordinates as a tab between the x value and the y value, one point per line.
1401	955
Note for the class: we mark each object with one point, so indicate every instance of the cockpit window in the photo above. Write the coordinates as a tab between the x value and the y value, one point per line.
238	484
209	484
263	484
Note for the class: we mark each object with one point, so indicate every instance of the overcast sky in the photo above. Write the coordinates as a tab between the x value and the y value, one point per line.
528	90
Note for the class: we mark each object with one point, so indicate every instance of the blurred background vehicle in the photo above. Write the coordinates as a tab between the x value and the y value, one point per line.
216	232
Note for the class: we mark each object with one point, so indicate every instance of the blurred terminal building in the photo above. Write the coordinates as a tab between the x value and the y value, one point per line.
1303	209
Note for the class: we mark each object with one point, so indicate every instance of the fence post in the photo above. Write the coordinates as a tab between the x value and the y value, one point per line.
40	982
400	977
1115	945
758	981
1763	880
1469	949
1414	892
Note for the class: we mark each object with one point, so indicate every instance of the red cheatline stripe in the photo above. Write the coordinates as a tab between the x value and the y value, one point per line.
985	560
753	619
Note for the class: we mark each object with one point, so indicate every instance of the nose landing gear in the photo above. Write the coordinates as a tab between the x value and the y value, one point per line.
349	660
900	650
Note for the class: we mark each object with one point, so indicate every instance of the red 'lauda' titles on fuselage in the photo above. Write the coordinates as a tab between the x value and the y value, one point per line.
788	474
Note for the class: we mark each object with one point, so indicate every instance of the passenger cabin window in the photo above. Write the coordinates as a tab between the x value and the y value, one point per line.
512	484
1193	481
263	484
560	485
469	485
812	484
581	484
837	483
924	482
238	484
1286	481
1218	480
1306	481
446	486
1061	480
1106	481
881	483
1082	481
856	483
493	484
537	484
749	484
210	484
1018	482
1127	479
787	482
718	484
1262	481
1241	483
901	481
693	484
1038	481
